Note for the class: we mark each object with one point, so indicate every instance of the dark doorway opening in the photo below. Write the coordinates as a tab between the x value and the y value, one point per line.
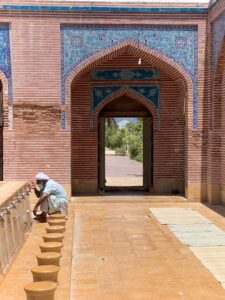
126	108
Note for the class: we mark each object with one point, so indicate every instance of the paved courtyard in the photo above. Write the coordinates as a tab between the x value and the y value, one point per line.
114	249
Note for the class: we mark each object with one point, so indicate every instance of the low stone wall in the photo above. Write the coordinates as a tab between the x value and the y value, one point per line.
15	220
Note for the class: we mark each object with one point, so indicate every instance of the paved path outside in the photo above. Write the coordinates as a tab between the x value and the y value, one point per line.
123	171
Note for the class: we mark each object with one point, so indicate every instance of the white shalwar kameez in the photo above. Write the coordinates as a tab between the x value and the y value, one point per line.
57	199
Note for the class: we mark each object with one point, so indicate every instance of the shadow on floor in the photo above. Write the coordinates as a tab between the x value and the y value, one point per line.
218	208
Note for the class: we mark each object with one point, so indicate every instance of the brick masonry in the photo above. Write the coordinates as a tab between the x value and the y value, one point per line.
216	75
39	135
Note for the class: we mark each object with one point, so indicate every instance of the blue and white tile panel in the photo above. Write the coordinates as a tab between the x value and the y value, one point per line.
5	57
179	43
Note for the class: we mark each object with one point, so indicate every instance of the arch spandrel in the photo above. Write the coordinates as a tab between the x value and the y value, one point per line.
154	58
126	91
174	63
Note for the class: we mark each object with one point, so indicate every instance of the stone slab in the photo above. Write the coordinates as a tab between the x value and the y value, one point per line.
199	235
213	258
178	216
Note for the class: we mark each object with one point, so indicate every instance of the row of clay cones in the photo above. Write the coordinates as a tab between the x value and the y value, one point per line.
45	275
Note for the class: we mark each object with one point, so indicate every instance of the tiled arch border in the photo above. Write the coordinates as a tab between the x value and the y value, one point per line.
126	91
168	65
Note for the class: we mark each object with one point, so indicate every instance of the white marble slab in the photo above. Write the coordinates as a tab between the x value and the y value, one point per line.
213	258
178	216
199	235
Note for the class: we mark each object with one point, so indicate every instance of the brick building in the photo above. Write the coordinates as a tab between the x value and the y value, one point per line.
65	65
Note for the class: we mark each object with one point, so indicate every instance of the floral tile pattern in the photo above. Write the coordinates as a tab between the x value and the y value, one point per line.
5	58
125	74
151	92
179	43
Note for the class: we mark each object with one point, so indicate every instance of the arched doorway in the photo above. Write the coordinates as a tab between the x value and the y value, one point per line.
126	107
216	186
1	131
170	172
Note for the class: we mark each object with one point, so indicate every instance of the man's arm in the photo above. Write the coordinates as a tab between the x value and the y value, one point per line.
43	197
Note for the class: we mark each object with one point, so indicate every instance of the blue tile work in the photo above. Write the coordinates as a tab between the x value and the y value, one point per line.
125	74
63	119
218	36
5	57
150	91
104	8
179	43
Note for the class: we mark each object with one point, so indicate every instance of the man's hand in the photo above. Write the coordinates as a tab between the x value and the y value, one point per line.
35	211
31	185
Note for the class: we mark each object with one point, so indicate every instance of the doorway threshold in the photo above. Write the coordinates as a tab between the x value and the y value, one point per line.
125	190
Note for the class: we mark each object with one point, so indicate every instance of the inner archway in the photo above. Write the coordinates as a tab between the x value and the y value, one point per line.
114	170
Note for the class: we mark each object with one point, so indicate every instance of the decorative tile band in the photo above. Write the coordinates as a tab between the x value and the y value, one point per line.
150	92
218	36
5	56
105	8
125	74
63	119
179	43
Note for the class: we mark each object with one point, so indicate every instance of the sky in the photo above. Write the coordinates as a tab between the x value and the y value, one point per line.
123	121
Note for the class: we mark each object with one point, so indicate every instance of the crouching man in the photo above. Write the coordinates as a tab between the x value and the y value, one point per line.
52	197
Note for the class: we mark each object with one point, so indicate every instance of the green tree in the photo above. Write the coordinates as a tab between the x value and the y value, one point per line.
113	134
135	139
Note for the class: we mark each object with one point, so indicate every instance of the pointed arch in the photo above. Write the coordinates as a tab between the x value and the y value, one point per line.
126	91
84	167
151	56
217	177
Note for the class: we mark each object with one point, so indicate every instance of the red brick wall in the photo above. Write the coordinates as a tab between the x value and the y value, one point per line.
1	131
37	142
223	134
1	154
216	153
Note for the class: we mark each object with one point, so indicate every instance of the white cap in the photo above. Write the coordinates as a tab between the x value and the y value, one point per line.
41	176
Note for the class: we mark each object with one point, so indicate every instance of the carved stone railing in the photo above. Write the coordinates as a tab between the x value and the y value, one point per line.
15	220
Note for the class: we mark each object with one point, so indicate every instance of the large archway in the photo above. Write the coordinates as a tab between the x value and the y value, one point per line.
169	132
216	190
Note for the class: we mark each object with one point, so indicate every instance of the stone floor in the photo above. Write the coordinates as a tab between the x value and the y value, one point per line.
113	250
